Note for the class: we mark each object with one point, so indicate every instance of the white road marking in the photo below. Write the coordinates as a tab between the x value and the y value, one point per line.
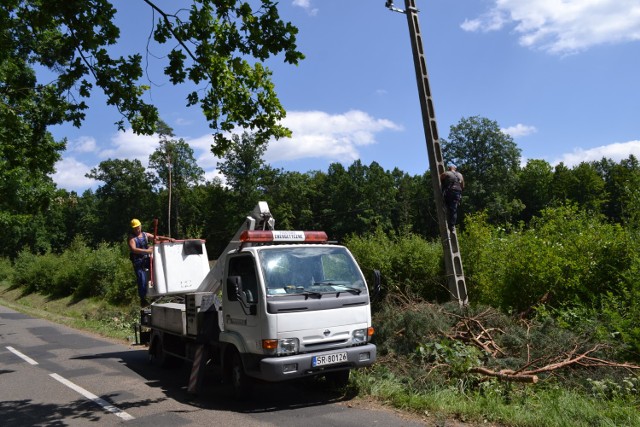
22	356
105	405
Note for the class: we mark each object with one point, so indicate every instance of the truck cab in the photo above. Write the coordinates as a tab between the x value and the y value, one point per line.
297	310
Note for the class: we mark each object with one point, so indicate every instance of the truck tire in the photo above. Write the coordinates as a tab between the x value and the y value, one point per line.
338	379
159	357
241	383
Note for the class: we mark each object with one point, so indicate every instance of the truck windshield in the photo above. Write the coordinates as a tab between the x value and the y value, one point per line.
311	271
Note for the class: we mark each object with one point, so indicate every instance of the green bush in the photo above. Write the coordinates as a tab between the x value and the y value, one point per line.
565	256
79	271
485	251
122	288
408	263
69	275
6	270
33	272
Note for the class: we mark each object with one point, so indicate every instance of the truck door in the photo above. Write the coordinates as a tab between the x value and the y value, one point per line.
241	308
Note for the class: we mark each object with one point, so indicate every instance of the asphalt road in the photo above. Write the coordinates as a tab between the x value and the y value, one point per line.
51	375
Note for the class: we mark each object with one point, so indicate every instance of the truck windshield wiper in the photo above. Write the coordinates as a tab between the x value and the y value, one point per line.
355	291
311	294
342	288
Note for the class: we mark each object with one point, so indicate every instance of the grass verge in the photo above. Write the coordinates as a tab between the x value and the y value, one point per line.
91	315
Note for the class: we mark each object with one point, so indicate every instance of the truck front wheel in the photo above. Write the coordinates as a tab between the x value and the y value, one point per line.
338	379
242	384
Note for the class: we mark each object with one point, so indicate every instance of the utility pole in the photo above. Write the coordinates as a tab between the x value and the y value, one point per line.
452	257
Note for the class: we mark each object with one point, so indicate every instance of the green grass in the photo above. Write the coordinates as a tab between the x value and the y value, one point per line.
524	407
92	314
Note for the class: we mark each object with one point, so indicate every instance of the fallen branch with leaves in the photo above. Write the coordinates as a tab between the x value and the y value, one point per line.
471	330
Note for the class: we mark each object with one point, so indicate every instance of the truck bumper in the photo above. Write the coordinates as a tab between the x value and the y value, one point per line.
301	365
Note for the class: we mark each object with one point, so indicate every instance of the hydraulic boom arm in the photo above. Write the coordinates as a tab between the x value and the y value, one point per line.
259	219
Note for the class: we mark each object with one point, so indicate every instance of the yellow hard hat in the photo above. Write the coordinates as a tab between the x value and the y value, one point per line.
135	223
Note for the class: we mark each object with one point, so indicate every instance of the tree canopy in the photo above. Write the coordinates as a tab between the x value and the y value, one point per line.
489	160
216	45
55	54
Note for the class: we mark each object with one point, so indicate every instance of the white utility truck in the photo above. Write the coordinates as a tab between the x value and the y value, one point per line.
277	305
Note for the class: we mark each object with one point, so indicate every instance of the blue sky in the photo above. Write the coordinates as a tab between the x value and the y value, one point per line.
560	76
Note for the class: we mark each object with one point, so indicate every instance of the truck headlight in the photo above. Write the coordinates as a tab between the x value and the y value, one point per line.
359	336
287	346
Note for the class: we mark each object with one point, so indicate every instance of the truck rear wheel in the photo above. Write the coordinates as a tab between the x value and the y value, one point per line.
159	357
242	384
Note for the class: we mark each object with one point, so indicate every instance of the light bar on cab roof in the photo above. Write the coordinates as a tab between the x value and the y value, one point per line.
281	236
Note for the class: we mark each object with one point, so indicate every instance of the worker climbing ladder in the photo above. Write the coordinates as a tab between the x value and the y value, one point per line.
452	257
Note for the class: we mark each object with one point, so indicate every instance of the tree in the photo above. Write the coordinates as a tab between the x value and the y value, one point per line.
27	151
622	184
490	161
176	168
589	187
245	171
126	193
213	41
219	47
584	185
292	194
563	181
534	187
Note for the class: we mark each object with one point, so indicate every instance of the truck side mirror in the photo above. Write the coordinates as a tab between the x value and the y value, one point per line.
234	284
244	297
377	283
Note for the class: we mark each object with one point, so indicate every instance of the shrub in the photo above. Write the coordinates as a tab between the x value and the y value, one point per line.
484	251
6	270
70	273
79	271
566	254
33	272
408	263
103	272
122	288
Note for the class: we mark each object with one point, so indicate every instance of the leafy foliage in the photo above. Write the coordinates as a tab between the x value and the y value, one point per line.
489	160
78	271
239	94
72	37
126	193
409	264
566	254
177	171
218	49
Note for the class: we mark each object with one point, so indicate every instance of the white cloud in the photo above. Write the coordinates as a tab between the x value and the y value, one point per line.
84	144
201	147
493	20
316	134
128	145
563	26
306	5
70	174
322	135
183	122
519	130
616	152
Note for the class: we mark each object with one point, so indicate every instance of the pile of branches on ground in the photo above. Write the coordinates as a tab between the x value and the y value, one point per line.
431	343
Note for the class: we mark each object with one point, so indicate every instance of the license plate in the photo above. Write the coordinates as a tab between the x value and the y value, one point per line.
329	359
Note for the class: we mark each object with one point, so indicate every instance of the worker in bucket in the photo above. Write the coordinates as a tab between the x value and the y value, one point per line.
140	255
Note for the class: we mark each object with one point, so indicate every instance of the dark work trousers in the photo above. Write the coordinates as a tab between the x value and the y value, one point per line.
452	200
141	268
